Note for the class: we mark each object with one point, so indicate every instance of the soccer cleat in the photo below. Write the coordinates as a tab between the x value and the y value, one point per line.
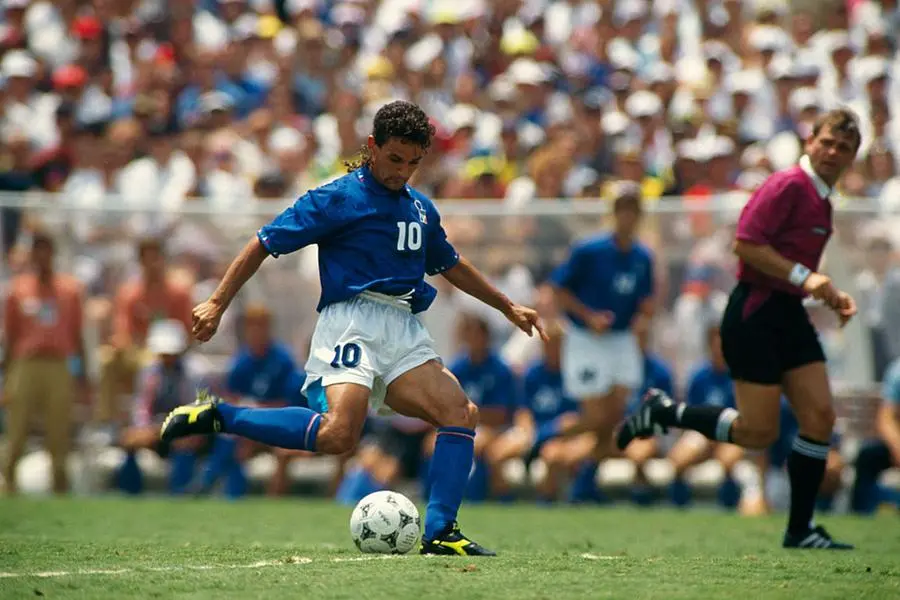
199	418
814	539
451	542
645	422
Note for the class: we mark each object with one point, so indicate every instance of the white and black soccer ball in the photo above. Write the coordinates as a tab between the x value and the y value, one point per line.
385	523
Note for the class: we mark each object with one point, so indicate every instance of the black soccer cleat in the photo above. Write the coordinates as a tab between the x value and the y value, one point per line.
451	542
200	418
645	423
814	539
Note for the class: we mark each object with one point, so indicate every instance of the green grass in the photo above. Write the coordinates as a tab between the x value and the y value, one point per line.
659	554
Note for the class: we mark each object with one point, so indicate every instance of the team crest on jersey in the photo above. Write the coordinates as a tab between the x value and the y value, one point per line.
423	216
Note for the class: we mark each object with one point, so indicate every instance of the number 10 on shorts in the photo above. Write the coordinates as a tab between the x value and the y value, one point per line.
347	355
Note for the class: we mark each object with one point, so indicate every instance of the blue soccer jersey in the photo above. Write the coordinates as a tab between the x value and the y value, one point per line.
369	237
490	384
543	394
268	378
657	374
605	278
707	386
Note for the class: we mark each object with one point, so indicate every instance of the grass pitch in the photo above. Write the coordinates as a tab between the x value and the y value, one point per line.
160	548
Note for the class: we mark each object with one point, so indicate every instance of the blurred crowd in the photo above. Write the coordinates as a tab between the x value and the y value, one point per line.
160	120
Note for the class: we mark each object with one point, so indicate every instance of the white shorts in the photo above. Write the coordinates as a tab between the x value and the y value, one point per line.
370	339
592	364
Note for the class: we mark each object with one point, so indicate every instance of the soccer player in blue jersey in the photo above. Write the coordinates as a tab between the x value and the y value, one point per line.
377	238
709	385
605	288
262	373
543	400
492	386
657	374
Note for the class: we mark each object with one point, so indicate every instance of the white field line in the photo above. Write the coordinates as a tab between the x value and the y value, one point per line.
589	556
262	564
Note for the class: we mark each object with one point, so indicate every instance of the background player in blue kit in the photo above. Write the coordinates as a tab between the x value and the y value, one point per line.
262	373
492	386
543	400
657	374
709	385
377	239
605	288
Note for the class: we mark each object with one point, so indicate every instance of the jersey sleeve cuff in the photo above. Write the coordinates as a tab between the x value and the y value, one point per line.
445	266
266	243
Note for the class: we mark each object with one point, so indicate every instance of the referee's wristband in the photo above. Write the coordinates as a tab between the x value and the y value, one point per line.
799	274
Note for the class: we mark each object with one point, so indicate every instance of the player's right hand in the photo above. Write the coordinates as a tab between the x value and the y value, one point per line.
205	317
821	288
599	322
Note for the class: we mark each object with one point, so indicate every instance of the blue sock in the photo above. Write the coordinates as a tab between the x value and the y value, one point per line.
235	480
825	504
450	466
357	484
220	458
289	427
584	486
643	494
680	492
729	494
181	471
129	479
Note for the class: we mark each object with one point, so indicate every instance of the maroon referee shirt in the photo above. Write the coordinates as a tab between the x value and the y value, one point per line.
791	213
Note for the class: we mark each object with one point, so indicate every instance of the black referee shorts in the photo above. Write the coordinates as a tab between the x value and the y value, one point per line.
775	337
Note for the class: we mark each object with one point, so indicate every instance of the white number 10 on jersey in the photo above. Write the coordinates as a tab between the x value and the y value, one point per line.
409	236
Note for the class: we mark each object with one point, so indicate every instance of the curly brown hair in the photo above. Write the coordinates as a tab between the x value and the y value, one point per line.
399	119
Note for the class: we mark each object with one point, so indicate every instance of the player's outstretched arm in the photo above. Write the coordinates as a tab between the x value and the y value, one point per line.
206	316
465	277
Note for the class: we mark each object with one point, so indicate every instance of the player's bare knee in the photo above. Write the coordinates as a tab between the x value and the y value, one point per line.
335	438
757	436
817	422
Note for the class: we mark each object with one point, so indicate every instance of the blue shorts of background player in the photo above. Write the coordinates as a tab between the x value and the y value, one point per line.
377	240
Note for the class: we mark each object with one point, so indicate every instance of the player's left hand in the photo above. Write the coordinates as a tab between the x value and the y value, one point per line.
526	319
845	307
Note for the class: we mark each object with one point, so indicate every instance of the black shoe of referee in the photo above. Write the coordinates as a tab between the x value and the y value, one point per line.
813	539
645	423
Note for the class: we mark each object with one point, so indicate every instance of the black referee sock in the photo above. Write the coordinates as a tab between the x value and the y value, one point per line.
806	468
712	421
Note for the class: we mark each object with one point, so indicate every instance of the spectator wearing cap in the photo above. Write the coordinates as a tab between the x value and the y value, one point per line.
172	377
629	166
92	104
870	283
291	153
93	41
782	72
165	175
52	166
836	86
654	138
152	296
15	176
43	355
205	79
23	103
310	79
13	31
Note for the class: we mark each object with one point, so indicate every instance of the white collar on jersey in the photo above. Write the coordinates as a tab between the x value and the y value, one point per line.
823	188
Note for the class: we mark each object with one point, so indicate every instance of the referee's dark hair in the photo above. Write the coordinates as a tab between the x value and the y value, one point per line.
840	120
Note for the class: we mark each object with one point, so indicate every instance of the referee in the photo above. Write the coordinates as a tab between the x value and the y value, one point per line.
769	344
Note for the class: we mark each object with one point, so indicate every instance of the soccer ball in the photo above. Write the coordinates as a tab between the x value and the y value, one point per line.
385	523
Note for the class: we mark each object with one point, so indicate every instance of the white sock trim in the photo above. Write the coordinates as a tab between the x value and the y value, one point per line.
723	425
810	449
